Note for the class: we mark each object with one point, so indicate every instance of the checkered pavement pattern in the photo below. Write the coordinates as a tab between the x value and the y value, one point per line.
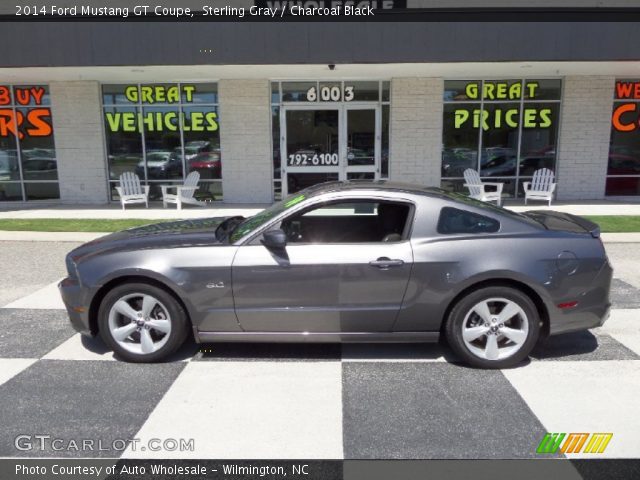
315	401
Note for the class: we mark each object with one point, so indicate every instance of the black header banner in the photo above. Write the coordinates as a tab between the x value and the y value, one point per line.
322	4
319	10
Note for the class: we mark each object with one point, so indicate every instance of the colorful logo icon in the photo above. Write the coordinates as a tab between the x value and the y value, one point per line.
574	443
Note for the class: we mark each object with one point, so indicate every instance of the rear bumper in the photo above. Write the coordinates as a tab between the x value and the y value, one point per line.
592	310
76	303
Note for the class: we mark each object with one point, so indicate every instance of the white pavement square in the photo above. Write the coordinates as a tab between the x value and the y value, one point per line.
46	298
270	410
585	397
624	326
10	367
79	348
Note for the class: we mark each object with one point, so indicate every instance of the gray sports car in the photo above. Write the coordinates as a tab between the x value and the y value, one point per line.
346	262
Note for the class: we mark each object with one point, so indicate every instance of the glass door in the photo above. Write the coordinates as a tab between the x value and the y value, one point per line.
310	146
362	143
328	143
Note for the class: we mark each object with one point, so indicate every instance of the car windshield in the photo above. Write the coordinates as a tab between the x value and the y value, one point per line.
264	216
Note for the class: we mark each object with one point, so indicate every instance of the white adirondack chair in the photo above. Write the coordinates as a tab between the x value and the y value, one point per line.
541	187
477	187
184	193
130	190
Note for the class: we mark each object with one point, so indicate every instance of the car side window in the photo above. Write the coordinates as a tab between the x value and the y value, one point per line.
349	222
453	220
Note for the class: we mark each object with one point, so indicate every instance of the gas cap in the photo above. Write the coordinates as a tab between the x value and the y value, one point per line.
567	262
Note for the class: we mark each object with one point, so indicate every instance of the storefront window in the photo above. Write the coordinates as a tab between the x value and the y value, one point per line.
162	132
384	161
275	141
623	173
504	129
28	166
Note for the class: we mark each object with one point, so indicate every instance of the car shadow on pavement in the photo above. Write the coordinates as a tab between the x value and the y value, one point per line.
260	352
399	352
571	346
566	346
95	345
348	352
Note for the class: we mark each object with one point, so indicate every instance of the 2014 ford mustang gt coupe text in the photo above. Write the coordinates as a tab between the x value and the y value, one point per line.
346	262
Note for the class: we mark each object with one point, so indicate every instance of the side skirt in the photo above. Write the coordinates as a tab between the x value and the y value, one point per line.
320	337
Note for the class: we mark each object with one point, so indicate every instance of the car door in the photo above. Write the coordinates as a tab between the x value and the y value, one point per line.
349	282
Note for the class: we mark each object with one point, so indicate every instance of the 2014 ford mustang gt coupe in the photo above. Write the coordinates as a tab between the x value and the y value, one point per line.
346	262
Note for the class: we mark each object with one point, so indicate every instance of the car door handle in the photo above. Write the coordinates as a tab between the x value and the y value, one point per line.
384	263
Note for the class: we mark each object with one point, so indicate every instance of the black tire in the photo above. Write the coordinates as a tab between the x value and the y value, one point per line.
178	320
458	314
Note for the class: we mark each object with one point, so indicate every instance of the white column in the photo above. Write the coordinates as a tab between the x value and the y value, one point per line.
245	141
416	130
585	131
79	137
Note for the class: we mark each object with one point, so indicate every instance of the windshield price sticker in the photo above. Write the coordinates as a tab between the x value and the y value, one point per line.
312	159
333	93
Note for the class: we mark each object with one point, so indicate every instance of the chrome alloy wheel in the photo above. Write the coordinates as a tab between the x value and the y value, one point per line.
495	328
140	323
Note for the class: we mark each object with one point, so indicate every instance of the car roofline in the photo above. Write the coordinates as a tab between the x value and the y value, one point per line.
412	189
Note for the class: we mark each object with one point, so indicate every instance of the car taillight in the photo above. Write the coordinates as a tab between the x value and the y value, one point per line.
565	305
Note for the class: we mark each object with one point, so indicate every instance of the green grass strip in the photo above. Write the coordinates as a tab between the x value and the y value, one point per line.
617	223
72	225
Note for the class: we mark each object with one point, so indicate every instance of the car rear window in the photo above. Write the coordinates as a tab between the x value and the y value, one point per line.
453	220
488	207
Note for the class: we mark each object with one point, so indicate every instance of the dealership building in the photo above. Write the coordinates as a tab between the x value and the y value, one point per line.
262	109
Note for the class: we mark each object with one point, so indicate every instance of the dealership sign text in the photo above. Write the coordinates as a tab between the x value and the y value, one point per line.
24	122
626	116
499	117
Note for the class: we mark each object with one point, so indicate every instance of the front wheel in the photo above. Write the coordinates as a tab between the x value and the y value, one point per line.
141	322
493	327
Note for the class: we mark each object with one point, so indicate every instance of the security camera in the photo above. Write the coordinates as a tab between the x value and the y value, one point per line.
332	67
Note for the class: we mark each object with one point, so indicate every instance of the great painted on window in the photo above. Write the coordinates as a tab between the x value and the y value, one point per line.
504	129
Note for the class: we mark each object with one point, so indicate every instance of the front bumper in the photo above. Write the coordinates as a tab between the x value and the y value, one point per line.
76	303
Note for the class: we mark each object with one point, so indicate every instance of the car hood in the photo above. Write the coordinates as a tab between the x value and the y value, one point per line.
181	233
154	163
157	163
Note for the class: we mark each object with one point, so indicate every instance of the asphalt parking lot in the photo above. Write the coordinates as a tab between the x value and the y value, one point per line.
306	401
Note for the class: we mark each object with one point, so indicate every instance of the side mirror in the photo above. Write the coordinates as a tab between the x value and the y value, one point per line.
274	239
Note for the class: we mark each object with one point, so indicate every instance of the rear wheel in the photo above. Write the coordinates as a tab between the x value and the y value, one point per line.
141	322
493	327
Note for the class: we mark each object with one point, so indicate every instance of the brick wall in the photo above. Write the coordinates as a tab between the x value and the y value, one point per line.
585	129
245	141
79	138
416	130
